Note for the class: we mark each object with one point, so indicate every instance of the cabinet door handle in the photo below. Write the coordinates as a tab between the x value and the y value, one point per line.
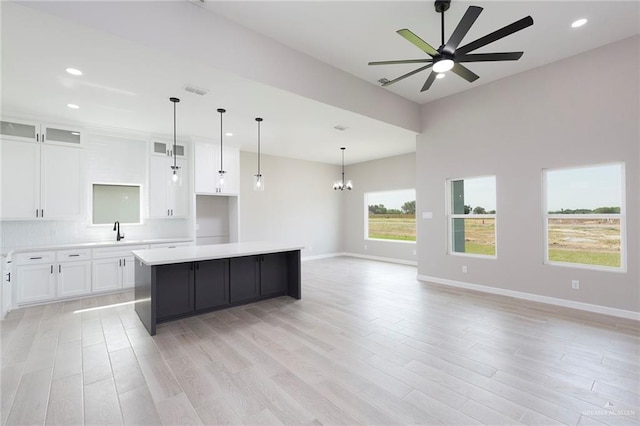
43	138
168	211
9	277
120	263
59	269
37	212
35	258
124	262
52	269
37	137
171	212
42	213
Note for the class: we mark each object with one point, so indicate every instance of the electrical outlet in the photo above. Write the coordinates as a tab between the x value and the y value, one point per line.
575	284
464	269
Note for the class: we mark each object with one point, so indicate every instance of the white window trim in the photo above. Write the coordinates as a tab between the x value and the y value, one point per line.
621	216
450	216
366	218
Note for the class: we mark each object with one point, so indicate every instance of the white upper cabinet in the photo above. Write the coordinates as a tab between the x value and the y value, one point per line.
168	198
164	148
207	165
32	131
40	180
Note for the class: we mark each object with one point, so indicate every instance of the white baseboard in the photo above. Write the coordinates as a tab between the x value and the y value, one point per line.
621	313
321	256
382	259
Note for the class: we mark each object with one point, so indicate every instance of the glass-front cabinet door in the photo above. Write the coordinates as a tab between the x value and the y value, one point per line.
20	130
61	135
166	148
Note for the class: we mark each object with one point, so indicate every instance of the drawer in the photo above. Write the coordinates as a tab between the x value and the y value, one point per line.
107	252
170	245
35	257
71	255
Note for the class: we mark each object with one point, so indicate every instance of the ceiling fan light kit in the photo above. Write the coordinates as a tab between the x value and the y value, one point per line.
450	57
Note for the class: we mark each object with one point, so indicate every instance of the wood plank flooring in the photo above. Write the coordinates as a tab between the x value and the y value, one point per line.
367	344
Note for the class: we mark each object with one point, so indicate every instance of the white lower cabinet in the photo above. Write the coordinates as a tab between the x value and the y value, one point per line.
43	276
74	278
114	268
37	283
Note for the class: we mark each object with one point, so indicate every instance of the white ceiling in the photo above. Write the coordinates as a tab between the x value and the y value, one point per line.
348	35
127	85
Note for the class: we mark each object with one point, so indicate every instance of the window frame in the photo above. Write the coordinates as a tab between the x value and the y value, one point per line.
366	217
450	216
621	216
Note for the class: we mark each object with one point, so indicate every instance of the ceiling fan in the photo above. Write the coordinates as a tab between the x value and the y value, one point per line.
449	56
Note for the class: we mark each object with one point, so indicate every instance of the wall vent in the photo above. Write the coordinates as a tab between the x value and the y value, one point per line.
196	90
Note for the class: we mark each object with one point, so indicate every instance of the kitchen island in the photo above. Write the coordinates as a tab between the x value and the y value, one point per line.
173	283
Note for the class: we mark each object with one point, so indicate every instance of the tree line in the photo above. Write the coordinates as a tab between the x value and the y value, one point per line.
409	207
598	210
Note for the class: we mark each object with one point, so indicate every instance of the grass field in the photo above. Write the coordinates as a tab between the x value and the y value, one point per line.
400	227
583	241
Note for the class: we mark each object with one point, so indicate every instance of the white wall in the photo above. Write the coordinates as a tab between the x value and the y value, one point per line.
387	174
567	113
298	205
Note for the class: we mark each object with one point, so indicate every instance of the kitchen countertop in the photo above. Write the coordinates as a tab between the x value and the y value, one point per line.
163	256
9	251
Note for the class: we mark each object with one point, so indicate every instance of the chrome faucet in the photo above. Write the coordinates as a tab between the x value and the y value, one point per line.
116	226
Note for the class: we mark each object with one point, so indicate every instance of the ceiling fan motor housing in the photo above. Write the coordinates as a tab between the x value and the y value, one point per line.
442	5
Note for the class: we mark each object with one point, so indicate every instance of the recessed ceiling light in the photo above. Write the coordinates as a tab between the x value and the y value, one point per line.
74	71
441	75
579	23
73	106
228	134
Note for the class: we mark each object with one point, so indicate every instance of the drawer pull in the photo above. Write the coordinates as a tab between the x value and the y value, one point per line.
74	255
36	258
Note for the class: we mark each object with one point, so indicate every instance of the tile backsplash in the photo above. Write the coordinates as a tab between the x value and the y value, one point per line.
30	233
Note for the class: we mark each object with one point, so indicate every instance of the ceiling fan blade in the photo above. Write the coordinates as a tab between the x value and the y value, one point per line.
418	42
429	82
409	74
496	35
462	29
480	57
465	73
404	61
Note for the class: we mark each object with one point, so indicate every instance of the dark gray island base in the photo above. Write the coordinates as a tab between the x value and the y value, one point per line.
185	281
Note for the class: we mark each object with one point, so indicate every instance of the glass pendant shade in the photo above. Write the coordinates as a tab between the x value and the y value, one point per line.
258	183
221	180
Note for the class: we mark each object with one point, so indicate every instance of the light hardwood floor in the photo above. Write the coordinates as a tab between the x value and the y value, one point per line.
367	344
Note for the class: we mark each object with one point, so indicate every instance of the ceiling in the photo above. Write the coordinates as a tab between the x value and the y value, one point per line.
349	34
126	85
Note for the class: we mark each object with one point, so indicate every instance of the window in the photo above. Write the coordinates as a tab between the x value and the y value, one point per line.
390	215
472	216
584	216
116	202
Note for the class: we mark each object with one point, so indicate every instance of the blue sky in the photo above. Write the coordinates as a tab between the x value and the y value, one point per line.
391	199
585	187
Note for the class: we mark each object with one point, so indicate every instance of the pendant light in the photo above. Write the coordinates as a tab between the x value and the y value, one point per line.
258	182
174	168
341	184
221	172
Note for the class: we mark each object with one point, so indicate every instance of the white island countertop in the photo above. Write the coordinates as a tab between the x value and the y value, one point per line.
166	256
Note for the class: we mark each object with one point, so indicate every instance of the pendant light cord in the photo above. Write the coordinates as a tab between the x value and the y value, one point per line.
221	156
174	138
258	146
